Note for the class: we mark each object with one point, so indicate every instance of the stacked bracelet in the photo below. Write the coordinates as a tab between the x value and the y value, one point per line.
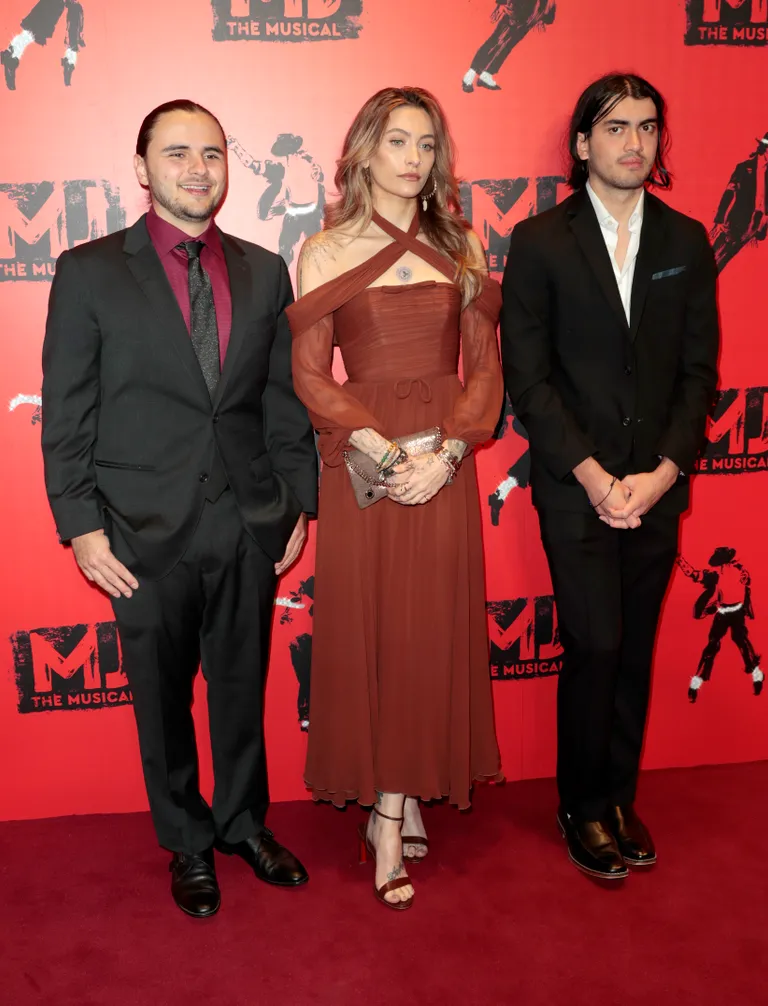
451	462
393	457
387	459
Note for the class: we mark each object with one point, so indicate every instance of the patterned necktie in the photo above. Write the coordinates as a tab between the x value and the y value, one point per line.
204	330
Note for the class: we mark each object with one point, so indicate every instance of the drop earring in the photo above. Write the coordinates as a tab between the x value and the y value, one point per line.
425	199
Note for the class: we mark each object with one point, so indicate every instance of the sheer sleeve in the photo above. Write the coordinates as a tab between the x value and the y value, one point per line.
334	411
476	411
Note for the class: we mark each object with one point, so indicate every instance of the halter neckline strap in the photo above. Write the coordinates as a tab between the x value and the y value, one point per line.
328	297
397	233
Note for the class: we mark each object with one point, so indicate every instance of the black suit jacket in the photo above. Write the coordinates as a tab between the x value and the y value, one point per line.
583	381
130	435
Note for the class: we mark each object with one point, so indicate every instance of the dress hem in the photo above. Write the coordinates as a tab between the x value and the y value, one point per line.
340	798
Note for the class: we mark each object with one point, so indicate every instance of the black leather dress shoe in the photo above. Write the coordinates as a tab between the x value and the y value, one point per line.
193	884
489	87
592	848
270	861
632	837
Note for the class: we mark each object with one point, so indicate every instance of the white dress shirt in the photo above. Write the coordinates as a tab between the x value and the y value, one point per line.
610	230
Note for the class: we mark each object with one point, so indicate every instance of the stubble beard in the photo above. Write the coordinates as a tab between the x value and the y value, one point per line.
179	210
624	183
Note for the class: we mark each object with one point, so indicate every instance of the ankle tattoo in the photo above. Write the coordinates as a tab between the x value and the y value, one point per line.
394	874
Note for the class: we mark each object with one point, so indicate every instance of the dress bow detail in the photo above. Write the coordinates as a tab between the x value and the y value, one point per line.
404	387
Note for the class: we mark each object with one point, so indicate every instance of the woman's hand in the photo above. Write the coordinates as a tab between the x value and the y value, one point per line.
418	480
372	444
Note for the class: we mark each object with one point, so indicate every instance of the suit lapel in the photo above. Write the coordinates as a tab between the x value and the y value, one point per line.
649	253
240	289
587	231
147	270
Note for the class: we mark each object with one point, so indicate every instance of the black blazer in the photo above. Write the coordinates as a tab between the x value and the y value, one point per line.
129	431
584	382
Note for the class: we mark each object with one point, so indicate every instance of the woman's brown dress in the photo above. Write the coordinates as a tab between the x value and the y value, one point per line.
400	688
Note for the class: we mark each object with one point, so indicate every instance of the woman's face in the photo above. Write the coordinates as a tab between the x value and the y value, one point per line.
406	154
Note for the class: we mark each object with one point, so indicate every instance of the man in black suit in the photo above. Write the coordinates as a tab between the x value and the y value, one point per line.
181	468
609	342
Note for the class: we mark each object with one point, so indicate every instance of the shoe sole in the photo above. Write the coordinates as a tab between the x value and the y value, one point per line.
585	869
198	915
280	883
639	864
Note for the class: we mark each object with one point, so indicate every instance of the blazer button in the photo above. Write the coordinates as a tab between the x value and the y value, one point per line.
216	417
627	371
204	476
626	421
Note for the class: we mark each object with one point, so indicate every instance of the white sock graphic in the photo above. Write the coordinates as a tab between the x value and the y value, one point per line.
696	682
757	675
469	77
71	56
487	78
20	43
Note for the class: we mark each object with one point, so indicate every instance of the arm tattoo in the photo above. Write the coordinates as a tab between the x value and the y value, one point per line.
319	249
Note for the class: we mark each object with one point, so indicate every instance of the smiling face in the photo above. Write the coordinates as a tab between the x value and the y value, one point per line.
185	168
405	156
621	148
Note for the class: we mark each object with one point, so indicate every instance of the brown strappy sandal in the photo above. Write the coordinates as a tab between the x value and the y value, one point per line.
367	849
415	840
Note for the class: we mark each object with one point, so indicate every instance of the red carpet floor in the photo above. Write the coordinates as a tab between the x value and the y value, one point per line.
500	916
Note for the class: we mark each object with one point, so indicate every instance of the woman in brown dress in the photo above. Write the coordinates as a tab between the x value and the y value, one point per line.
401	706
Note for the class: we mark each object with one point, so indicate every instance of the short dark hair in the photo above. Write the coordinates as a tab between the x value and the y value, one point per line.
177	105
597	101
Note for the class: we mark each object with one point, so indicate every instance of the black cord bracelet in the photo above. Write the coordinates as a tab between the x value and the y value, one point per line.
610	490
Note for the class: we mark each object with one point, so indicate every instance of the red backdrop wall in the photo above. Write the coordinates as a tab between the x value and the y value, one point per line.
303	67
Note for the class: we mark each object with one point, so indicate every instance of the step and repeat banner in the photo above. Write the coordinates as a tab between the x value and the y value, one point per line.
286	77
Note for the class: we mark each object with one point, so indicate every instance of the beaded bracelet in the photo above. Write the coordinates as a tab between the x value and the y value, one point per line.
384	463
398	459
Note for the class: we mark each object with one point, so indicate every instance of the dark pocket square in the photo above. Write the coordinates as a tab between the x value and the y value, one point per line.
668	272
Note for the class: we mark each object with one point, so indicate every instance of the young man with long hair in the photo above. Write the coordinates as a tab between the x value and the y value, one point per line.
609	341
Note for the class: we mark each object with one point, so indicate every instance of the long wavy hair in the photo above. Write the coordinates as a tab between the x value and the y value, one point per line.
443	222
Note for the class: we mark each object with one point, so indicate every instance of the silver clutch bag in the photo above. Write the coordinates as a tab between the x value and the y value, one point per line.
368	484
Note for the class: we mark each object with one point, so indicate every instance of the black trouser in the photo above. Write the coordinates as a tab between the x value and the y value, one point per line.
508	32
214	607
721	623
609	586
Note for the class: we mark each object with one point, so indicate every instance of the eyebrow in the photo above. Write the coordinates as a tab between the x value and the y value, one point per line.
626	122
186	146
424	136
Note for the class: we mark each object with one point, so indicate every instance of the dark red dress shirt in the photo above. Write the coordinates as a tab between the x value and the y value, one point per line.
165	237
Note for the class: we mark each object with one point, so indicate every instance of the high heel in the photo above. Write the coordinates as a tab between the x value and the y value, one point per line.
366	849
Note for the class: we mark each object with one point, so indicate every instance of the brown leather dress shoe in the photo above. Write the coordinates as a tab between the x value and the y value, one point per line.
632	837
270	861
592	848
